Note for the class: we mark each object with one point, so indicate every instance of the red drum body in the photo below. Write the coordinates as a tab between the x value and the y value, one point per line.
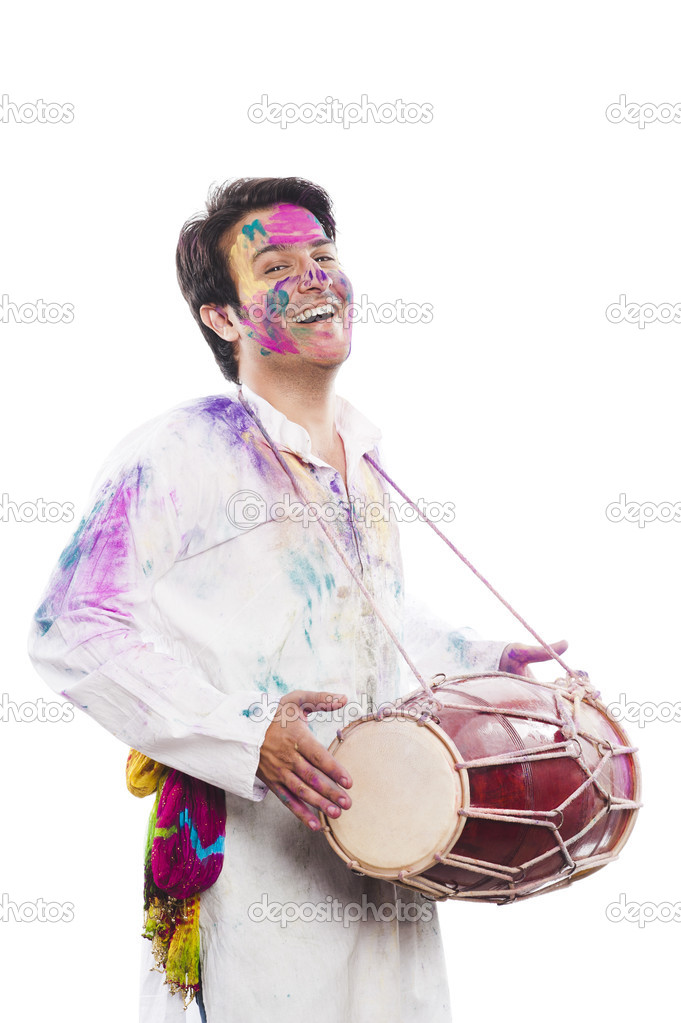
500	788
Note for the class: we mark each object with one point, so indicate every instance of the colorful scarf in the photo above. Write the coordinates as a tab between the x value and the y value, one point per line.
183	857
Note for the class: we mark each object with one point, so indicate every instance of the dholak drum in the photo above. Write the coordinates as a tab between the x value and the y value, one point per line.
509	788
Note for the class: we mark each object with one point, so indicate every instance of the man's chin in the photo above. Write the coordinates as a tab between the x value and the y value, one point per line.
332	356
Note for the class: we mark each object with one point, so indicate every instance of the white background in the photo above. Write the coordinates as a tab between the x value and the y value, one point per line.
520	212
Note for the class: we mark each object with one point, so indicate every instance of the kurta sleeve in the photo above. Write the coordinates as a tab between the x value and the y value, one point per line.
436	647
91	639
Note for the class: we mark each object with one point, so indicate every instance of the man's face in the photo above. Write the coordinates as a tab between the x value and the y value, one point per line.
284	267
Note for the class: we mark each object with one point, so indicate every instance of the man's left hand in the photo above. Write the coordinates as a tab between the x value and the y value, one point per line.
516	659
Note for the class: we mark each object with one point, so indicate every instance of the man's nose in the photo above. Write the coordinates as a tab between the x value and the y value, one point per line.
313	277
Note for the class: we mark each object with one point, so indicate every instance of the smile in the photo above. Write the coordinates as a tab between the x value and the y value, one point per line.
318	314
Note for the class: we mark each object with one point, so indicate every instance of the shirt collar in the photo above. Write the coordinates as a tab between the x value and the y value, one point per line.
359	433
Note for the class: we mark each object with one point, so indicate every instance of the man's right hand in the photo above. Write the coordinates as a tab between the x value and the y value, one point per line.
297	768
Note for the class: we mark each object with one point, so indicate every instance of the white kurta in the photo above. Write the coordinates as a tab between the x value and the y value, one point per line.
187	599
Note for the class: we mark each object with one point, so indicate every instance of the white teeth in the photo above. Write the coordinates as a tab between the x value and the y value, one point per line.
317	311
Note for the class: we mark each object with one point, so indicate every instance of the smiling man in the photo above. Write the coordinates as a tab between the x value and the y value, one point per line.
200	624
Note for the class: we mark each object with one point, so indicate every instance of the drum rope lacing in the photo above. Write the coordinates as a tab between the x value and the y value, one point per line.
579	676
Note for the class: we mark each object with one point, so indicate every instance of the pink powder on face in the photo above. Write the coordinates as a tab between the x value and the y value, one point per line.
290	224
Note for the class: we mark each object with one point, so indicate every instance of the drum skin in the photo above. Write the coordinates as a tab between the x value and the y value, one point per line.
498	716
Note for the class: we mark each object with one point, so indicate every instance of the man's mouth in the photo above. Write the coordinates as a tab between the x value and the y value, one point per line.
317	314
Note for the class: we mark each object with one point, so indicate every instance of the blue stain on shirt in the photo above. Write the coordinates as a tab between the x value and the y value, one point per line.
306	580
455	644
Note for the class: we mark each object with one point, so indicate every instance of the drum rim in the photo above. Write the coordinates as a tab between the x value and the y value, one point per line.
389	874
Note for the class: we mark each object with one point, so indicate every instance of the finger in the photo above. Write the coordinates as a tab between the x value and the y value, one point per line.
297	808
322	784
310	701
533	654
303	792
320	758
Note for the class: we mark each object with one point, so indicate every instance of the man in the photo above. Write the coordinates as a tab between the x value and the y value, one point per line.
200	624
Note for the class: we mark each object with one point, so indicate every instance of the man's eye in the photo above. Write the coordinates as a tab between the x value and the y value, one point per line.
274	269
332	258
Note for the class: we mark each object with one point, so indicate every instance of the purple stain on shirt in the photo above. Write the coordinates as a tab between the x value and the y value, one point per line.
236	428
92	562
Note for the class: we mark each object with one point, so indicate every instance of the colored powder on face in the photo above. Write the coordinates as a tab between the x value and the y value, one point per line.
250	229
288	223
277	300
284	224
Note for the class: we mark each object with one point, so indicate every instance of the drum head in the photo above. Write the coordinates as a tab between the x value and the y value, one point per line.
406	795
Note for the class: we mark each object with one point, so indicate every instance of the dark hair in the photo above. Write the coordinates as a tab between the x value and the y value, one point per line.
202	267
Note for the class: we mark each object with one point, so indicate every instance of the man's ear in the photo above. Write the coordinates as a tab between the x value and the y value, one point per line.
222	319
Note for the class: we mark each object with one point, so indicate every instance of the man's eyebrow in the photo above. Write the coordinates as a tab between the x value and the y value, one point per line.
289	246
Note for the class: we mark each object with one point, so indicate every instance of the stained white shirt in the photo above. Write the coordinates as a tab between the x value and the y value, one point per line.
191	597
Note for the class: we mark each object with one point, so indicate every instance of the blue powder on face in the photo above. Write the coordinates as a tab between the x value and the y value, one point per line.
250	229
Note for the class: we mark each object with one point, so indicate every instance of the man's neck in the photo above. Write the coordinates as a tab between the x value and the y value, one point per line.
310	402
